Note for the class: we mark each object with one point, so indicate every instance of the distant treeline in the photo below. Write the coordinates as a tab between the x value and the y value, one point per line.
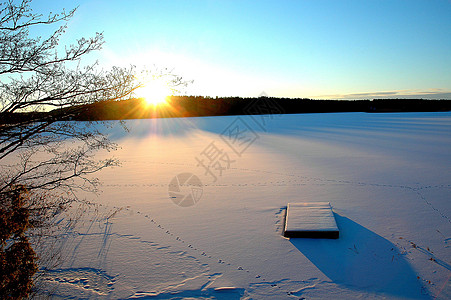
195	106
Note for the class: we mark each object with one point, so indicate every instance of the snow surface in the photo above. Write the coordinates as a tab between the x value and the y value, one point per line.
387	176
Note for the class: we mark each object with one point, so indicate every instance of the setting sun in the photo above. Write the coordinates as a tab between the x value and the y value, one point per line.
155	92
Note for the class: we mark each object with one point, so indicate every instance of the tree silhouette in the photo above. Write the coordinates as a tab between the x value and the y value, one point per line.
39	174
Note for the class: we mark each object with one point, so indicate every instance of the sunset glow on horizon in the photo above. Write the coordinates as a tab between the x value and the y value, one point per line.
155	92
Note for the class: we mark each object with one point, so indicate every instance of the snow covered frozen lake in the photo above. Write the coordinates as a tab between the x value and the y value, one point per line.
219	235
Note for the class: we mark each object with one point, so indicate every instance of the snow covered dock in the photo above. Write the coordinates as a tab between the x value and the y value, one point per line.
310	220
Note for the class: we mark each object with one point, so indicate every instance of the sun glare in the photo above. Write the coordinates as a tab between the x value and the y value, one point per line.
154	92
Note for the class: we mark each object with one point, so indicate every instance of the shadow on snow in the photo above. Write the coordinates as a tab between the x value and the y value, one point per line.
363	260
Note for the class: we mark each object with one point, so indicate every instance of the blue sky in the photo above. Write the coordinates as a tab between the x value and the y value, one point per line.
317	48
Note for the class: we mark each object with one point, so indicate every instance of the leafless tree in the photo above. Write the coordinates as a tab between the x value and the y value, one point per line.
37	75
